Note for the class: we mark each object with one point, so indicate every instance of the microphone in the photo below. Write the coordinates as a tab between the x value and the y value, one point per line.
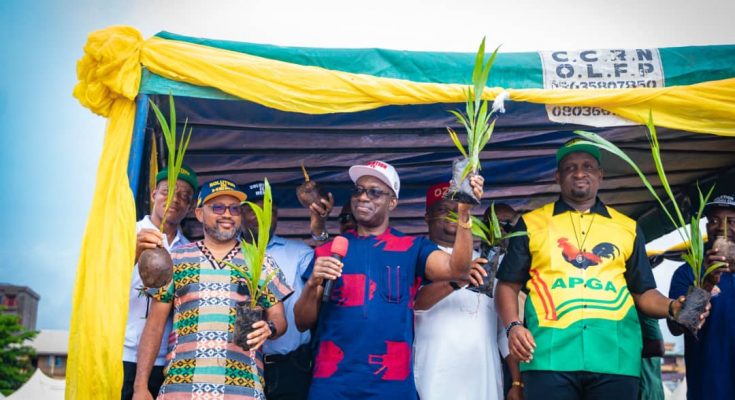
339	250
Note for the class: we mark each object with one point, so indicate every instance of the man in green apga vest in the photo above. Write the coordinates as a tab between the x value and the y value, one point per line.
584	267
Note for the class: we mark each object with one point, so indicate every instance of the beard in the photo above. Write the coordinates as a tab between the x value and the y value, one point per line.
581	193
219	234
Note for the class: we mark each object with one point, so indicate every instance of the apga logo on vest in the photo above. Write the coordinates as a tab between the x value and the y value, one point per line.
582	259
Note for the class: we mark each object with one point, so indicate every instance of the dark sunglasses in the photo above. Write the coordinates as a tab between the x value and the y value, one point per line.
220	209
345	218
372	193
506	226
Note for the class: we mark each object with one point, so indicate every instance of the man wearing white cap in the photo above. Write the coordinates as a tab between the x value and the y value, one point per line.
366	326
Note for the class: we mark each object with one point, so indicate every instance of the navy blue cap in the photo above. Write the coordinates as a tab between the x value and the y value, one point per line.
254	190
219	187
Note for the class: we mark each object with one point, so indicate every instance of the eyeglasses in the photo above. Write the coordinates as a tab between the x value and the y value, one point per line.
372	193
346	218
506	226
219	209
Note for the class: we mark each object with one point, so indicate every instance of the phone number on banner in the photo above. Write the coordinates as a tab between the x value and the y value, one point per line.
577	111
603	84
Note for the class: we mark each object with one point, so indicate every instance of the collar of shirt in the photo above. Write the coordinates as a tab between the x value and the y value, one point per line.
276	241
560	206
179	239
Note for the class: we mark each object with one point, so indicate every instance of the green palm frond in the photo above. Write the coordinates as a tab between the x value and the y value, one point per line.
254	251
456	141
476	119
694	255
176	151
489	234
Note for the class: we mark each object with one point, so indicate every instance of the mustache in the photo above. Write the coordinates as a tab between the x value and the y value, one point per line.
221	220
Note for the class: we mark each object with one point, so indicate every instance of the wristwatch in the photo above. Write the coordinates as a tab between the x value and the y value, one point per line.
320	237
511	326
272	326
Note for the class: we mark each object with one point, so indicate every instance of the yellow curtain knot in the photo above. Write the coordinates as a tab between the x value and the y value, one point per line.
109	69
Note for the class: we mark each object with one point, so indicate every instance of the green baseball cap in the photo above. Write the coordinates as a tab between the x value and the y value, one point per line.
577	145
186	174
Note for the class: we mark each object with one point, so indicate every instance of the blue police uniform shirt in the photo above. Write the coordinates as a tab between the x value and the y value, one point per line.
366	329
293	258
711	358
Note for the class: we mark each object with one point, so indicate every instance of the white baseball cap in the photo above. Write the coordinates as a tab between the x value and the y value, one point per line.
379	169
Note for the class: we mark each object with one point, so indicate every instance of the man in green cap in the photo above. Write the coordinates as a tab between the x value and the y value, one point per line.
149	237
584	267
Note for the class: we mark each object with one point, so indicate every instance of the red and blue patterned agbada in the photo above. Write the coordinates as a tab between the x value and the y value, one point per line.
366	328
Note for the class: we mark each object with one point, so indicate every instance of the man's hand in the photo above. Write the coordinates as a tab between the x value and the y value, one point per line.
679	303
318	212
710	258
147	239
521	343
323	207
704	315
259	335
476	181
325	268
142	394
478	273
515	393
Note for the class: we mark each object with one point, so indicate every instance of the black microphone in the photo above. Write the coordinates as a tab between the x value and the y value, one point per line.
339	250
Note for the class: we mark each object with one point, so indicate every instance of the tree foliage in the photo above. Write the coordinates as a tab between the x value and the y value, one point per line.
15	354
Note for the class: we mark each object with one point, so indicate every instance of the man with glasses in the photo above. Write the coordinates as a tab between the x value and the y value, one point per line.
149	237
365	328
459	338
287	359
584	267
205	290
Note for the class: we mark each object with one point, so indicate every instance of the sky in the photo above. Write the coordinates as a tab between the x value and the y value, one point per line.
50	145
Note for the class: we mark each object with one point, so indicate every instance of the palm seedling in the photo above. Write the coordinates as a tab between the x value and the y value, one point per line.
253	252
155	265
697	297
491	239
476	121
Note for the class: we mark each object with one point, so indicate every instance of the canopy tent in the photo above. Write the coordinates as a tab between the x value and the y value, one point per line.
260	110
39	387
245	140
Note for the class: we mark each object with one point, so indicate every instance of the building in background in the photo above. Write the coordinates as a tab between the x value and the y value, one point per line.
22	301
52	347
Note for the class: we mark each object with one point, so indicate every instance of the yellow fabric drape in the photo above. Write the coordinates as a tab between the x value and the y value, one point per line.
100	299
109	77
707	107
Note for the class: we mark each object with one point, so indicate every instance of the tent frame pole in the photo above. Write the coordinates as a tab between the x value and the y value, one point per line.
138	142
